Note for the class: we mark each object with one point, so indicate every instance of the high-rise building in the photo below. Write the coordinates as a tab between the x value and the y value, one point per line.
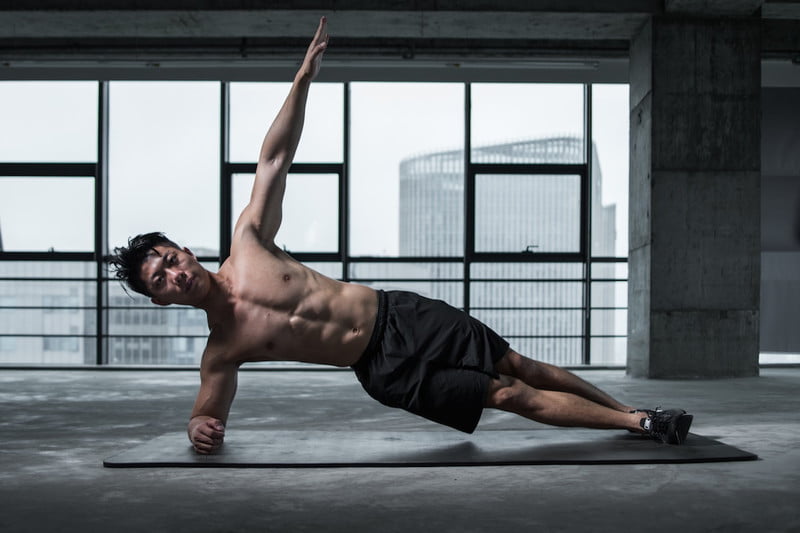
539	307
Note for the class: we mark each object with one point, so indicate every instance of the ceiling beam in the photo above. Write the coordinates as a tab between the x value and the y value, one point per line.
301	23
713	8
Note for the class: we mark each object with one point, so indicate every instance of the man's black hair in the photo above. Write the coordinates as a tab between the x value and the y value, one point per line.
127	260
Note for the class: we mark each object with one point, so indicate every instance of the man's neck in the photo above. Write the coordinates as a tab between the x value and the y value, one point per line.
218	303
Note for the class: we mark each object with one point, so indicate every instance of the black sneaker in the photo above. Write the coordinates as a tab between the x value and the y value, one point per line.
670	426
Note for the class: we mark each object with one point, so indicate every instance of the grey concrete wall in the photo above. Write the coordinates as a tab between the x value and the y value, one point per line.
780	220
695	189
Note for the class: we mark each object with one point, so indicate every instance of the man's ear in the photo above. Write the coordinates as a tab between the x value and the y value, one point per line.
158	302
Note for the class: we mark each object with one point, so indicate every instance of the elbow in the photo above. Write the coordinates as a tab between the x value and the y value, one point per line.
272	159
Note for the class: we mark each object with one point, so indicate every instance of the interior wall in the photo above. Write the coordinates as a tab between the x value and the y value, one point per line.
780	220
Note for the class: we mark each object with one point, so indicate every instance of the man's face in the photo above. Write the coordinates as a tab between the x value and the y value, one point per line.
174	276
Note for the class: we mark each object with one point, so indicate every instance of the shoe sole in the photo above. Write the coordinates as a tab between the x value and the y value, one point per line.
682	426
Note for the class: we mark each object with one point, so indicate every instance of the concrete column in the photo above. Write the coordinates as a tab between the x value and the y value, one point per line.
694	263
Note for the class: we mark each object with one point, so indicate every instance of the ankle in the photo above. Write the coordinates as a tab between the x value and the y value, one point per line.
638	422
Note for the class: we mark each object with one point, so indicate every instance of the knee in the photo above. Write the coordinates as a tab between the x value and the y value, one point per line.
505	392
517	365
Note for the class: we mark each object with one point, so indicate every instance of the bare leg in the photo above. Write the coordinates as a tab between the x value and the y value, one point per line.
557	408
546	377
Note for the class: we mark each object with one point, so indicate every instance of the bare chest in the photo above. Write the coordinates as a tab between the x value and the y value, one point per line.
260	332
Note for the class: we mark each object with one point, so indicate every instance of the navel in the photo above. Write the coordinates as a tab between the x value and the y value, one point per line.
355	331
270	345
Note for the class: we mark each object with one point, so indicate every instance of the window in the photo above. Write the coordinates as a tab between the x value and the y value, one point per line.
164	162
47	213
253	107
527	123
610	170
399	196
527	231
48	121
527	213
310	215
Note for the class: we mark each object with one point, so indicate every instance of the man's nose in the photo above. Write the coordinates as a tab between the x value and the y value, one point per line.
178	278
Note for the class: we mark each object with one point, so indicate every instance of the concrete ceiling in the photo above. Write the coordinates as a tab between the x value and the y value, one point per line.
362	30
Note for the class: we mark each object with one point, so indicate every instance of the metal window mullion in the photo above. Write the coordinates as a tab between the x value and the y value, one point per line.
528	168
101	219
225	174
586	230
469	197
61	170
344	187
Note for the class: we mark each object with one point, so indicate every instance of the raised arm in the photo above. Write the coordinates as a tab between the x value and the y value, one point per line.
210	414
263	213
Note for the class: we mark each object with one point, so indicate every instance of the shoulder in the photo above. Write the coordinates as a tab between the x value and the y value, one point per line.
246	240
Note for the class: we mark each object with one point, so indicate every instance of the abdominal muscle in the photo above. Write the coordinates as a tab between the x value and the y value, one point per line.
304	316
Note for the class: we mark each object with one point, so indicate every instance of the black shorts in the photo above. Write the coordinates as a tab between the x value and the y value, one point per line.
430	359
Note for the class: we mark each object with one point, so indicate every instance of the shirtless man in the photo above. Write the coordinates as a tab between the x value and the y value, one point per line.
410	352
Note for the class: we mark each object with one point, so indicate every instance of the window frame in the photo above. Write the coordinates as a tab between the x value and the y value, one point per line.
99	171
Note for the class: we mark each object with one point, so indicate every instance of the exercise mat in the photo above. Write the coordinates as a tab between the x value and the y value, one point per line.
315	448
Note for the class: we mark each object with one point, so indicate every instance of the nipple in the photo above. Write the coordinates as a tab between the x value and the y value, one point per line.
286	277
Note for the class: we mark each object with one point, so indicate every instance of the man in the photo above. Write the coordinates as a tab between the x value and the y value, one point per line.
407	351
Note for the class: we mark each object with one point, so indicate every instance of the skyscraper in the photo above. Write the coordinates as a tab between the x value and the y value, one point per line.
539	307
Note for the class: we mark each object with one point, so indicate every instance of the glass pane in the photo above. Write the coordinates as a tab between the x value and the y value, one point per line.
526	294
253	107
51	321
452	293
310	221
530	271
610	112
164	162
46	214
609	351
51	313
527	123
47	269
385	271
62	350
137	350
404	203
610	271
167	321
515	322
519	213
48	121
610	322
556	351
609	294
46	294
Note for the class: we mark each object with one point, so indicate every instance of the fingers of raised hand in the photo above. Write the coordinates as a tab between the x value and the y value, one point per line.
321	34
320	40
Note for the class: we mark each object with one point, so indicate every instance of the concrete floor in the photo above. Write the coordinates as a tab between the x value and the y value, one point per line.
60	425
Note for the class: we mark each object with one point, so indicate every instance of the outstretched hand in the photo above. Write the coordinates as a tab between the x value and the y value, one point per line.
313	59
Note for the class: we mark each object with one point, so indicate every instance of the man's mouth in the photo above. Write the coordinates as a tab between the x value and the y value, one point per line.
189	284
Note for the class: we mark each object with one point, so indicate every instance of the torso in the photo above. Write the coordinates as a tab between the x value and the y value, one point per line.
284	311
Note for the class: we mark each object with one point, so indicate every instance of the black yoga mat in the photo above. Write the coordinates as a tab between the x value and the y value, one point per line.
297	449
